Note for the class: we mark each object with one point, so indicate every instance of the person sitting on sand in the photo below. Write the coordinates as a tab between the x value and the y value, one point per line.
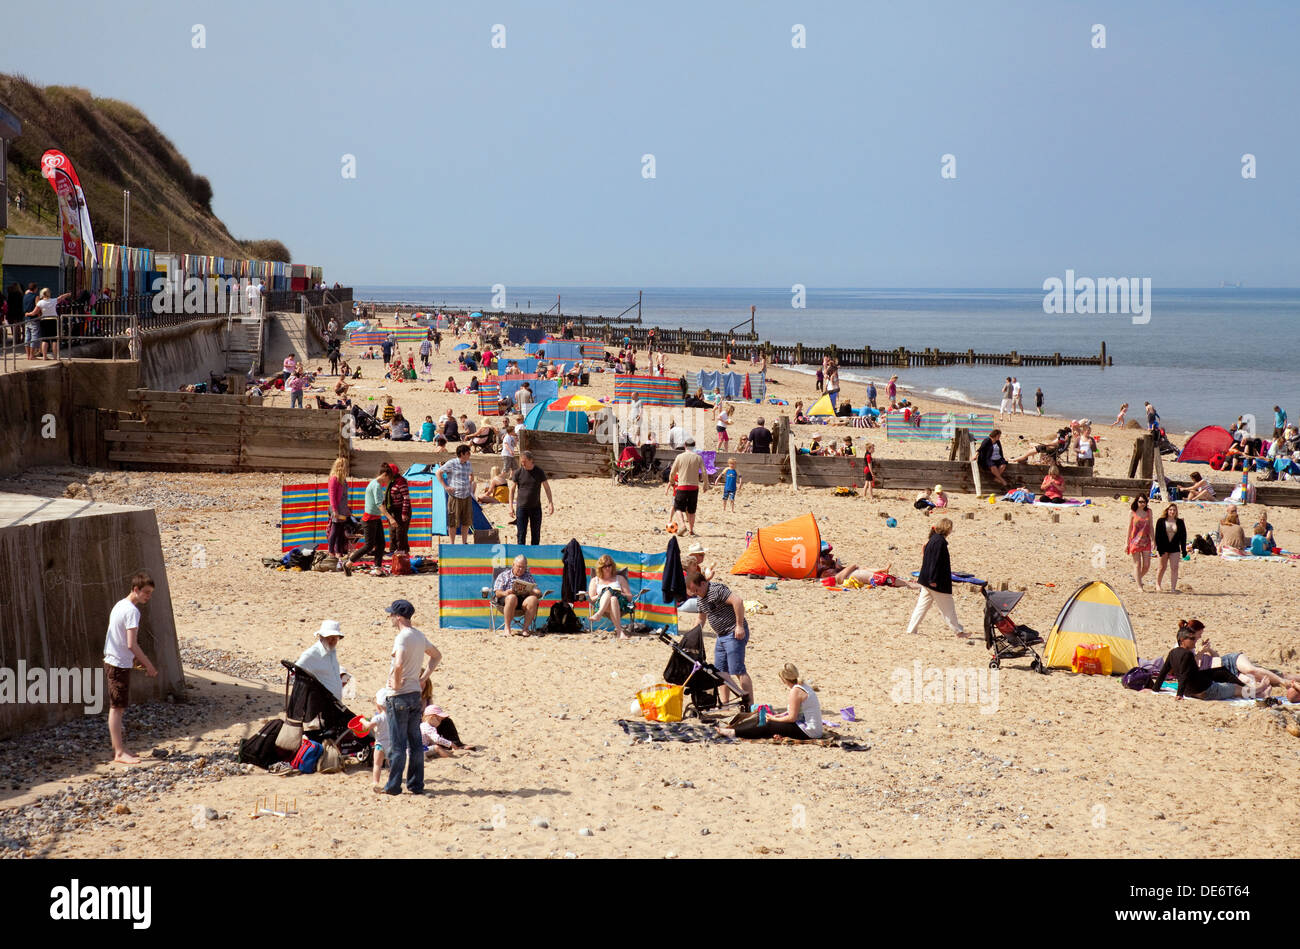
799	417
450	385
991	458
924	503
939	497
399	430
1193	681
1258	681
1267	528
1053	486
1201	490
610	593
1232	539
438	733
802	719
497	488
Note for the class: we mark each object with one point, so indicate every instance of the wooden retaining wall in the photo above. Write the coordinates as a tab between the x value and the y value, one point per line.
569	455
190	431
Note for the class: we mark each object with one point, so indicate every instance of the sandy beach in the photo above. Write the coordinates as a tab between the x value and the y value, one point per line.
1057	765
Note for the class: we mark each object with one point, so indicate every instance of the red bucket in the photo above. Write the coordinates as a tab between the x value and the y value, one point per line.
357	728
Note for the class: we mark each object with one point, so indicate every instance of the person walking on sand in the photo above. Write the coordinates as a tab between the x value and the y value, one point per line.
336	535
1119	419
936	581
893	389
1004	408
121	652
833	383
689	478
869	470
373	519
1017	396
1140	538
1171	544
1038	400
403	707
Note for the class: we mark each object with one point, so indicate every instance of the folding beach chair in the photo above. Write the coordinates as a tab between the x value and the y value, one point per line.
631	613
496	607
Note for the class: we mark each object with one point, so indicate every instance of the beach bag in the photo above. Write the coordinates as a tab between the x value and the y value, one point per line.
1203	545
260	749
401	565
289	737
331	759
883	578
661	703
1139	678
326	564
308	755
1091	659
563	619
1216	461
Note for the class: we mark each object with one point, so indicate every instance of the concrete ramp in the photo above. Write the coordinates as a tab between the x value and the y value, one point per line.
63	564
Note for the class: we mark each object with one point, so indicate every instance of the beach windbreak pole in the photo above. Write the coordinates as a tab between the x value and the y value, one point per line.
74	216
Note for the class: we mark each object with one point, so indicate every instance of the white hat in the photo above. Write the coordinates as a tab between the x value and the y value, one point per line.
697	548
938	489
329	627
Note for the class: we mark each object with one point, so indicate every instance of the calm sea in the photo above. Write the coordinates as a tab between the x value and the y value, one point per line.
1205	356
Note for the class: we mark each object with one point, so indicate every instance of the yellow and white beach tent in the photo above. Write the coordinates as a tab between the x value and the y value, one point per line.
822	407
1093	614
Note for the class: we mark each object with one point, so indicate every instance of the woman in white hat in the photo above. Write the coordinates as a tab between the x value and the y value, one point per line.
321	659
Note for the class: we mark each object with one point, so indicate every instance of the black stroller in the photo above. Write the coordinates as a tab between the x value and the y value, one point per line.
702	683
311	707
1003	636
366	425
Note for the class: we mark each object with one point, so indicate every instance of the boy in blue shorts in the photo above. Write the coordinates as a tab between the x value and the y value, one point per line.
730	480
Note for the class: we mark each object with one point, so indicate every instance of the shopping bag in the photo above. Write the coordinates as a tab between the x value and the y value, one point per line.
661	703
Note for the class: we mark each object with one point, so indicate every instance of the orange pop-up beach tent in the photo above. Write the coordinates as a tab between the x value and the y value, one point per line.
787	550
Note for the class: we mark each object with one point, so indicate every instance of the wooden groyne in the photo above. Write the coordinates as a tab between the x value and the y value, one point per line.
715	345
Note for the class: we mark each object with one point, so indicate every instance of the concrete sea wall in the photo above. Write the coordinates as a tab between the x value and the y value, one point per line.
63	565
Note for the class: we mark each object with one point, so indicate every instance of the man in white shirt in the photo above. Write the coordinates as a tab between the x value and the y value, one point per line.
121	652
1017	400
404	708
676	436
255	298
523	399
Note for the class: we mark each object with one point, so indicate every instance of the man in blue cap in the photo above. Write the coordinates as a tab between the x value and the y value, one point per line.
404	708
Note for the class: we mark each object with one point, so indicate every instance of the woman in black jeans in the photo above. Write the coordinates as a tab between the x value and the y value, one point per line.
1171	544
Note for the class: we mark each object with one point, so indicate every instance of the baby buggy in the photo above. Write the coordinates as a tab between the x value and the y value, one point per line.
311	710
637	466
689	666
366	425
1005	638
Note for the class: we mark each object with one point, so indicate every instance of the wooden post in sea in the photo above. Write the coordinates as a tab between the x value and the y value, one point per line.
970	357
798	354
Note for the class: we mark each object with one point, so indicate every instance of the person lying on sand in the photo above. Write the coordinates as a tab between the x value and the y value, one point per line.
828	565
1239	664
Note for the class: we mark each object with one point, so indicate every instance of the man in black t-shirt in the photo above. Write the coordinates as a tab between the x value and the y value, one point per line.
760	440
526	486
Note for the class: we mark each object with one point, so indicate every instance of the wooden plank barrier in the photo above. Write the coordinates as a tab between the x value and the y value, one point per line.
192	431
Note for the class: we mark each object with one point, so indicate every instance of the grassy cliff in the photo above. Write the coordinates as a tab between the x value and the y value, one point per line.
114	147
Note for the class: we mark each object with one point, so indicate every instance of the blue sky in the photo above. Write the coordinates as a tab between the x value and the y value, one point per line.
774	165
